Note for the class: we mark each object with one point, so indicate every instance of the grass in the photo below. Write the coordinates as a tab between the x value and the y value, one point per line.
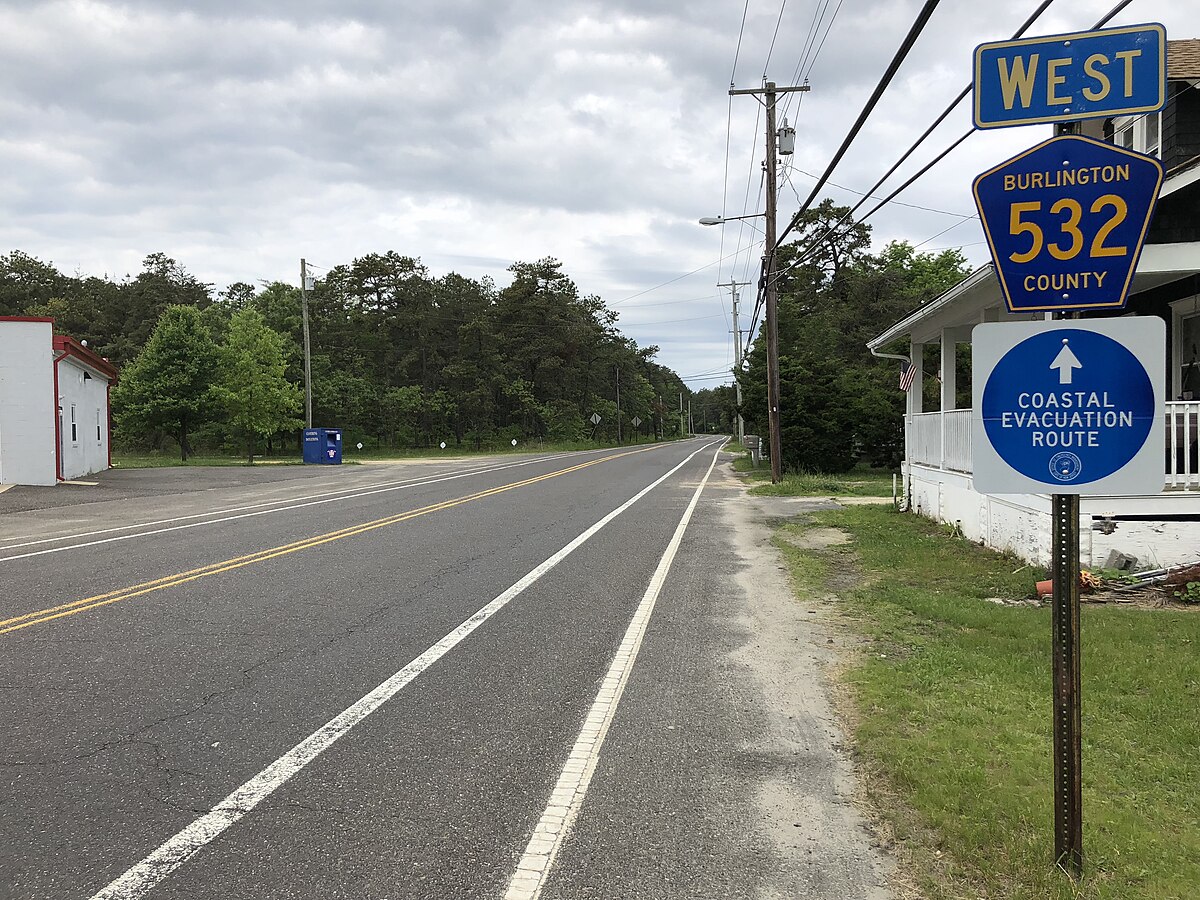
951	706
165	460
861	481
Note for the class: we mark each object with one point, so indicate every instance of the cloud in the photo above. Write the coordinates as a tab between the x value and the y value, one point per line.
239	136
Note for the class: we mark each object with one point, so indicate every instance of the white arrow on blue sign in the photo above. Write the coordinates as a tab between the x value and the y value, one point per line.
1069	407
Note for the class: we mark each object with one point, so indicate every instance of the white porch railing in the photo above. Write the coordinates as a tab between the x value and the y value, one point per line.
1182	433
942	440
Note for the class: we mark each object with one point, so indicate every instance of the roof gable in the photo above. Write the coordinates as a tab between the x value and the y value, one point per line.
68	346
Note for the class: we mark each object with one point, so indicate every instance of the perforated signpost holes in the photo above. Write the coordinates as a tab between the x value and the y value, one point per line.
1068	407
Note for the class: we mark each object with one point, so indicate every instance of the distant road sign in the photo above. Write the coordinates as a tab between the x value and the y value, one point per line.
636	422
1069	407
1064	77
1065	222
595	419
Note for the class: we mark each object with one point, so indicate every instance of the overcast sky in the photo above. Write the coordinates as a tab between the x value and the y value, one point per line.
239	136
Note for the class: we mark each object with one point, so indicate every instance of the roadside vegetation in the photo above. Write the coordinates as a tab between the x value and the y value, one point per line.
401	359
861	481
949	701
838	404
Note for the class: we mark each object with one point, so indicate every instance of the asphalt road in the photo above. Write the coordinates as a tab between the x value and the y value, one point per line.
374	682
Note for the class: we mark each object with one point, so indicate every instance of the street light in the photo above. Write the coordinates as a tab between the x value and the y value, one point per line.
769	276
718	220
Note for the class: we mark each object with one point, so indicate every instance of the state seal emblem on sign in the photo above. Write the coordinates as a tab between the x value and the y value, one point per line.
1065	466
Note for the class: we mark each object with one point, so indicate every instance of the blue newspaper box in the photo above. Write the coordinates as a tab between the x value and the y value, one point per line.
323	446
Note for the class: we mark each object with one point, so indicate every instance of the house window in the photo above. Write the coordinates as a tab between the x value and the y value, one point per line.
1185	349
1140	133
98	425
1189	357
74	426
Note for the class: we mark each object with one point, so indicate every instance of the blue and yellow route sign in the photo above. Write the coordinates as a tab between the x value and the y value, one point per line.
1065	77
1065	221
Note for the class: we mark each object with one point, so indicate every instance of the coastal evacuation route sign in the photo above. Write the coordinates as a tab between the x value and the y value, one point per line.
1065	221
1069	407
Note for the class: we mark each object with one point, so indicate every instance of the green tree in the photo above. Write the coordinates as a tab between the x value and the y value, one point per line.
253	387
140	301
168	385
838	405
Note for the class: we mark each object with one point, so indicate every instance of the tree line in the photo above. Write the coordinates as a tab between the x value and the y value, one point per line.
399	358
838	404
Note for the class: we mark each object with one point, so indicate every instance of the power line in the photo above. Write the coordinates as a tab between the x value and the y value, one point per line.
920	140
771	49
906	45
944	212
821	46
738	51
890	197
1117	9
672	280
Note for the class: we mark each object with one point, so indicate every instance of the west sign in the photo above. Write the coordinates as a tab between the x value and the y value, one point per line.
1065	221
1066	77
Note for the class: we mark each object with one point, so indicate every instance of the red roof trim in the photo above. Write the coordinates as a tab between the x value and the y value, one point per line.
27	319
68	346
58	469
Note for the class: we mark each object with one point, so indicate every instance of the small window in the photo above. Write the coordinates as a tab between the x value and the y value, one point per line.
1189	357
1142	134
1153	128
74	426
98	438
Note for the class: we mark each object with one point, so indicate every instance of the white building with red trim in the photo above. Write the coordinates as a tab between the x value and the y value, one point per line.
54	404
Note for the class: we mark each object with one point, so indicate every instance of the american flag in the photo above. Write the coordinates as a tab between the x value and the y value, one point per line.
907	373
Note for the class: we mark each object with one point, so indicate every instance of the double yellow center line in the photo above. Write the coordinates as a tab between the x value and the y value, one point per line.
49	614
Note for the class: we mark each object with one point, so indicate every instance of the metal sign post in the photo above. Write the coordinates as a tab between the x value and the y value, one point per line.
1064	625
1070	406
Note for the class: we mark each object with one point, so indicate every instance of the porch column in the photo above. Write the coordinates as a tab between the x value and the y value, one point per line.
949	373
949	369
917	392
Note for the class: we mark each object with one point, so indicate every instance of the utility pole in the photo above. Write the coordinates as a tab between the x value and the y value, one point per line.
770	91
307	348
737	358
618	370
681	433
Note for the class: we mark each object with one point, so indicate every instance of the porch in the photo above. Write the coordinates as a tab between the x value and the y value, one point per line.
942	441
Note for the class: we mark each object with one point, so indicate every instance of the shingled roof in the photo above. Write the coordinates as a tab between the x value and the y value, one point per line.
1183	60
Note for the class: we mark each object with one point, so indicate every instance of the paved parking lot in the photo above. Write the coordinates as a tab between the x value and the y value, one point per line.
122	484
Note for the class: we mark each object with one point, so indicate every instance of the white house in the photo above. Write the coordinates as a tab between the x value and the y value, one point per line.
1161	529
54	409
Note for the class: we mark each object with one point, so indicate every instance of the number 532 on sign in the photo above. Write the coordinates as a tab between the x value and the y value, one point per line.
1065	222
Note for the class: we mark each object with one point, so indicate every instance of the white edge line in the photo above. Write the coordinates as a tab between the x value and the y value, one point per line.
397	486
569	791
144	876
